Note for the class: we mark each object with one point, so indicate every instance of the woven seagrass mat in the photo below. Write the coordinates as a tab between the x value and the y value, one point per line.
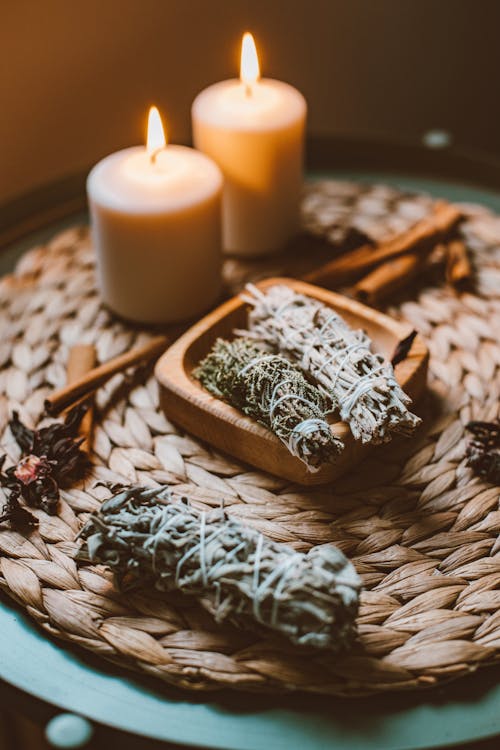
420	528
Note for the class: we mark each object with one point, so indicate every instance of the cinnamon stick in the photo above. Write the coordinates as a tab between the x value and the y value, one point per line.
421	238
458	267
92	380
388	278
81	360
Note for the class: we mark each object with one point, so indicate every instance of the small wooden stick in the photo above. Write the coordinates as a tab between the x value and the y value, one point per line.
421	238
92	380
388	278
458	267
81	360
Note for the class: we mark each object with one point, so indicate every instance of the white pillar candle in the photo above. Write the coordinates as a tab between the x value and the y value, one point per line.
156	226
254	129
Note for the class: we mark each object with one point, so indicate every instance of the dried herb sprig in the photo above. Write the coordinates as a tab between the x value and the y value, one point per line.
402	348
51	458
483	451
338	357
238	575
273	391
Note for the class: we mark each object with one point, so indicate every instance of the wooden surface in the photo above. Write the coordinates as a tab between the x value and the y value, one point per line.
193	408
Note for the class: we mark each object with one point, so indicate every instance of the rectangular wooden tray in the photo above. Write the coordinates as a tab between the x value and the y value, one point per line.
190	406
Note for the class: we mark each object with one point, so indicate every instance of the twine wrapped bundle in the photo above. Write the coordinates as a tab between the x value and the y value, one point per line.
362	384
273	391
238	575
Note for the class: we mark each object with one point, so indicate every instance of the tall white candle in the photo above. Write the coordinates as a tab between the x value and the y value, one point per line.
254	129
157	229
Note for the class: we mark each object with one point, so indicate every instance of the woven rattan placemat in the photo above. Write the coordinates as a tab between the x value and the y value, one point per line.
421	529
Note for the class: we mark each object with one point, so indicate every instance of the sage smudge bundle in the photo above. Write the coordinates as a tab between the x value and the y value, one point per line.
51	458
272	390
235	573
360	383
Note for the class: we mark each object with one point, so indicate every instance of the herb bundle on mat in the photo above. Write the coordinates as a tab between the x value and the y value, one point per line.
360	383
273	391
236	574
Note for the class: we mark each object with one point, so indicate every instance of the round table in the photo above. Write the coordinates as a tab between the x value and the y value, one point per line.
73	681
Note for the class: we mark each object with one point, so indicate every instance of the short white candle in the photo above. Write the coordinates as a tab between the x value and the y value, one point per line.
156	226
254	129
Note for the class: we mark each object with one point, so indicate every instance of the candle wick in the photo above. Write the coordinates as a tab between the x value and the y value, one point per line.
248	89
154	154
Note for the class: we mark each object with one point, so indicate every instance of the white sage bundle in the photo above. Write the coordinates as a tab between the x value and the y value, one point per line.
235	573
360	383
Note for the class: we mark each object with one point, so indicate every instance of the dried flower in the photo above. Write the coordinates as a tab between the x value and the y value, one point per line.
402	348
52	457
338	357
483	451
273	391
238	575
31	469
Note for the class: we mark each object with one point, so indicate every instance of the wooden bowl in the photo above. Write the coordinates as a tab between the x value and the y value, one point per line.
194	409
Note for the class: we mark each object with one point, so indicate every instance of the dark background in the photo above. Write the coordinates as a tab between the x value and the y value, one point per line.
77	76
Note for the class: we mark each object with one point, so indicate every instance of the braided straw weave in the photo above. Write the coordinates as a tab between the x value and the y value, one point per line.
420	528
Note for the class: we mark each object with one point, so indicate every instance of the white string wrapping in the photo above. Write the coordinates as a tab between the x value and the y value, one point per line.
272	390
234	572
360	383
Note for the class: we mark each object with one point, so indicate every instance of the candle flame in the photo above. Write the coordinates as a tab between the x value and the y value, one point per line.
155	141
249	66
